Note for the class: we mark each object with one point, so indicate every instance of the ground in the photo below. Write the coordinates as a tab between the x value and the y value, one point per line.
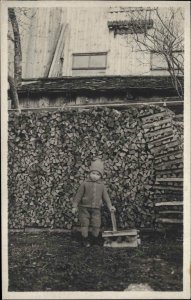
56	262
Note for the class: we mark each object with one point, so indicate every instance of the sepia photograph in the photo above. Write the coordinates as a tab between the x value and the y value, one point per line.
96	126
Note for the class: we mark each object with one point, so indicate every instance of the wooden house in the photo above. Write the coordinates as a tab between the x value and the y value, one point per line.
83	56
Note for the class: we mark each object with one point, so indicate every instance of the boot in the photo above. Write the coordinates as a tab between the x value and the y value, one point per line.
94	241
85	242
98	241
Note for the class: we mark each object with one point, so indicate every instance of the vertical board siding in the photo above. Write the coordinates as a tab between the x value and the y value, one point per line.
39	47
55	62
87	32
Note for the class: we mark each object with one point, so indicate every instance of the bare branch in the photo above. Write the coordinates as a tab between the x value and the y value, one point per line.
13	93
17	47
165	26
165	39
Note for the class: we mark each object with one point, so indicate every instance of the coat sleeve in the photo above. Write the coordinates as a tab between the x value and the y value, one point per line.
106	197
79	195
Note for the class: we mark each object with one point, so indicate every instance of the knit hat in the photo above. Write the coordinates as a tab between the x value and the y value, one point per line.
97	165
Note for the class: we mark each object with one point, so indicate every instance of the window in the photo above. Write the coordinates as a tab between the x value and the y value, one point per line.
159	63
89	61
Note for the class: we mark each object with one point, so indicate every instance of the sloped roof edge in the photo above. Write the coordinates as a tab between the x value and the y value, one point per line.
96	83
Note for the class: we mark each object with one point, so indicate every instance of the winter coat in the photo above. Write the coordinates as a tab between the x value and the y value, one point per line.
92	194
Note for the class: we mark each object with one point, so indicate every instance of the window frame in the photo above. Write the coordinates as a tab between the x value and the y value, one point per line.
162	68
89	54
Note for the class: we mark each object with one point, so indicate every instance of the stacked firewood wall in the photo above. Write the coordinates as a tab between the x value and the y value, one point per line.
50	154
165	140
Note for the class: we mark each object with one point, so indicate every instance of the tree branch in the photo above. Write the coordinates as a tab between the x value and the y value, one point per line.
17	47
164	39
13	93
10	38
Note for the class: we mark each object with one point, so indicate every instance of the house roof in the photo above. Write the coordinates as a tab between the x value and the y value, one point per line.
98	83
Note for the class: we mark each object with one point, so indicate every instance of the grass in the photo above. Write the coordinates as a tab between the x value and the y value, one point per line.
56	262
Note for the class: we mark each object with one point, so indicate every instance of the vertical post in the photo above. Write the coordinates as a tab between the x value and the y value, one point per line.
113	219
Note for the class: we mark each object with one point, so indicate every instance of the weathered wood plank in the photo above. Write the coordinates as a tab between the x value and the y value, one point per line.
57	54
130	232
86	107
170	203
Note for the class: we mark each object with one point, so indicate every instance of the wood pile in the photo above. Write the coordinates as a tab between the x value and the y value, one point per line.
50	154
169	215
166	143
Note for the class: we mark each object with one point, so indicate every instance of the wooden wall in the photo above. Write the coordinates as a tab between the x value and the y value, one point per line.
87	32
39	35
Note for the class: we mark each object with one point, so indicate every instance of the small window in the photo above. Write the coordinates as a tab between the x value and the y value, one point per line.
159	63
89	61
80	62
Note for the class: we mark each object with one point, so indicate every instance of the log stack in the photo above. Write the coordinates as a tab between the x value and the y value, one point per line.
50	154
165	140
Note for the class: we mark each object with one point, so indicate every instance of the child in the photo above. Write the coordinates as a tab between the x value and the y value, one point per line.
88	201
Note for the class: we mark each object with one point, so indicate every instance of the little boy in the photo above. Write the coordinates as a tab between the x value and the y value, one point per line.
88	201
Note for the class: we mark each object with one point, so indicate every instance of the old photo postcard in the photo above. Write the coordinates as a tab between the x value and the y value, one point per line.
95	99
